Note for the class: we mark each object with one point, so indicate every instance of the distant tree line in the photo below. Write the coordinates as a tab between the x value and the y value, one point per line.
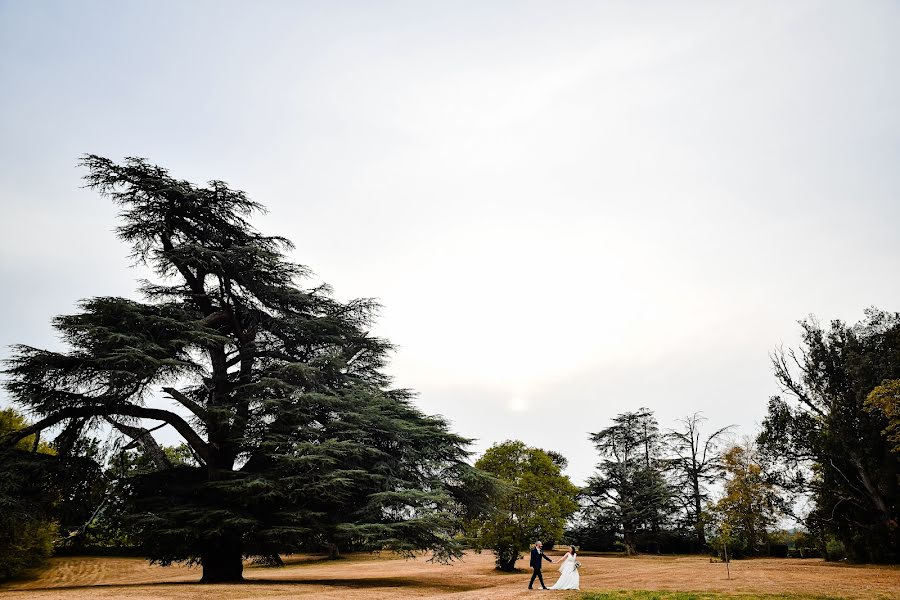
651	491
827	458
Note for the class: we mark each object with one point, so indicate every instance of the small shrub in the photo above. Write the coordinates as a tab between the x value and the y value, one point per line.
834	549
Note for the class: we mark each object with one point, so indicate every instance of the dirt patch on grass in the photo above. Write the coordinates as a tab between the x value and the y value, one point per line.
370	577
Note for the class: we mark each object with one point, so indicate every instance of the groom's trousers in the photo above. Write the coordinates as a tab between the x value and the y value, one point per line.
536	574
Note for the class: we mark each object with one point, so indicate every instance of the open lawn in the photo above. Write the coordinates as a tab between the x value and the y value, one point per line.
385	577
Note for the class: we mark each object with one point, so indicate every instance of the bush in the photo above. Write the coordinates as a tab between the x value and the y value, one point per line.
25	545
834	549
28	493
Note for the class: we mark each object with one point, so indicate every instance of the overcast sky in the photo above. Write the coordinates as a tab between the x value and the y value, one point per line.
568	209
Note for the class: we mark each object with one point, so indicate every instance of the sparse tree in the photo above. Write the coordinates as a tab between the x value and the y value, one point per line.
696	463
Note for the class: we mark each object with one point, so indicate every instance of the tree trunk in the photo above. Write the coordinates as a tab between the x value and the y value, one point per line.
334	552
506	564
223	565
506	558
698	518
630	546
871	489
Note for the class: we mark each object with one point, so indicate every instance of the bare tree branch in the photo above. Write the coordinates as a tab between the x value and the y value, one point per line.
142	436
182	399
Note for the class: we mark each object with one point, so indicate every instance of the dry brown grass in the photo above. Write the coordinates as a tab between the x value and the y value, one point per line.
384	577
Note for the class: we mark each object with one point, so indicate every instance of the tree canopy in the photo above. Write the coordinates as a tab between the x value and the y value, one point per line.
885	399
534	504
747	511
629	489
28	493
297	437
823	439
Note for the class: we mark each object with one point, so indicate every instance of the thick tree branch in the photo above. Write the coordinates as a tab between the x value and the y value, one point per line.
783	375
128	410
141	435
193	281
192	406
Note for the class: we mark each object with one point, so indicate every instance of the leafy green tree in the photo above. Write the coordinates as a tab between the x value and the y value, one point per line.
885	399
27	496
696	463
11	421
824	442
138	461
535	501
278	391
630	487
60	486
747	511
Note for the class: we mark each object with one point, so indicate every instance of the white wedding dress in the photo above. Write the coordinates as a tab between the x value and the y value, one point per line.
569	577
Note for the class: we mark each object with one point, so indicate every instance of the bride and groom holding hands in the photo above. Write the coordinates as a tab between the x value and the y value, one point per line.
568	569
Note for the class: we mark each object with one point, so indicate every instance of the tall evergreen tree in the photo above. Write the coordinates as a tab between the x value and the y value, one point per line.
277	390
629	488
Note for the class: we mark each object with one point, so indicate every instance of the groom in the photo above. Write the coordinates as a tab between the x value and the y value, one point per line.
537	555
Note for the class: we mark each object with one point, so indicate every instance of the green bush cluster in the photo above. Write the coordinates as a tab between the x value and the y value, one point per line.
25	545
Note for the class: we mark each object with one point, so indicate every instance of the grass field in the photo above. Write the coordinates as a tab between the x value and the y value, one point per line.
604	577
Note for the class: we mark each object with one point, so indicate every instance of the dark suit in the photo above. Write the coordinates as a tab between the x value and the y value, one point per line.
537	558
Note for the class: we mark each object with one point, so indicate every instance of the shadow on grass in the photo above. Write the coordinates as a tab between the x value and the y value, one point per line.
347	582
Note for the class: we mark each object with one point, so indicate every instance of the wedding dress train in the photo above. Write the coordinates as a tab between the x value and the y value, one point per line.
569	577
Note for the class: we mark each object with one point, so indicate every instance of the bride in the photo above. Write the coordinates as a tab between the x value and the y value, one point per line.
569	578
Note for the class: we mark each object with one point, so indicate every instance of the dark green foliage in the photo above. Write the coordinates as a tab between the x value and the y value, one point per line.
594	530
296	439
28	494
137	461
821	441
25	545
535	501
630	488
50	495
84	491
